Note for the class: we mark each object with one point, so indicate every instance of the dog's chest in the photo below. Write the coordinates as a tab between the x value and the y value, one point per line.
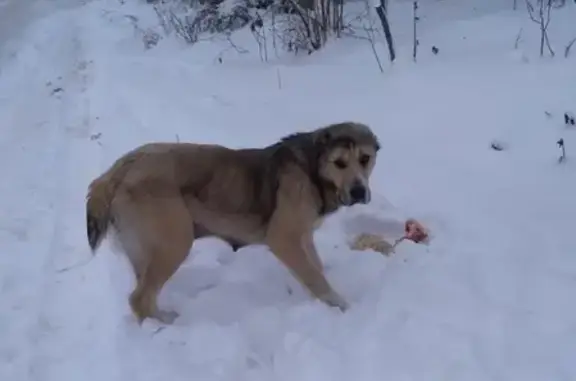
318	223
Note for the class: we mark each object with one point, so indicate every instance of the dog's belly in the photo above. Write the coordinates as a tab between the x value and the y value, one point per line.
201	232
248	231
238	229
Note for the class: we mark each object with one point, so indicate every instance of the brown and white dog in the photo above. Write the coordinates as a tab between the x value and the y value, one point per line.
160	197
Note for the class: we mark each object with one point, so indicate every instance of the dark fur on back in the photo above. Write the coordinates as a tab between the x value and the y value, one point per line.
263	166
305	150
299	149
295	149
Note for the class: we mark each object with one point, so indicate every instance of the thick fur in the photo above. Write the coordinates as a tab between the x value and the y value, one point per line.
160	197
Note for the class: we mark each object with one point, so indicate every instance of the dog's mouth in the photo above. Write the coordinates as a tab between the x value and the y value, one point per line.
344	199
352	198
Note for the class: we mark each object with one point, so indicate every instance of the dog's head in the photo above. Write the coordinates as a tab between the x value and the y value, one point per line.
346	156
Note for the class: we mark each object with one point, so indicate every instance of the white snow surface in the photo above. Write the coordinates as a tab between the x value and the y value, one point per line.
490	298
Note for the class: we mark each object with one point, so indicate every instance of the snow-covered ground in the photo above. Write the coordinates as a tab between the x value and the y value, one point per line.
491	297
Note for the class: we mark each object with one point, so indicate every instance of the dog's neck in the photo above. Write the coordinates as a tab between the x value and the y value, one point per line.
328	197
307	157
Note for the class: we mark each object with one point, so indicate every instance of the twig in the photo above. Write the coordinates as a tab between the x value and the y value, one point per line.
376	55
415	41
74	266
518	38
279	78
562	157
544	21
238	49
370	38
568	47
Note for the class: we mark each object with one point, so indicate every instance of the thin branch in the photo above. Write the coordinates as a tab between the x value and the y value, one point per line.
568	47
548	45
549	9
518	38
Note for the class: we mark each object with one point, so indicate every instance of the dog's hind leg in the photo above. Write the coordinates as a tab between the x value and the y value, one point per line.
166	232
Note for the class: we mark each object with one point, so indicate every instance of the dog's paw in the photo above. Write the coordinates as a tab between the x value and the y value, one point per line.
166	317
335	300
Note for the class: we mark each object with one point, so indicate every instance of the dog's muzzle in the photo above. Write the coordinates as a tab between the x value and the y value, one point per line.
359	194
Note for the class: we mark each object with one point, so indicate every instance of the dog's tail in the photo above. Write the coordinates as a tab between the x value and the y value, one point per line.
99	201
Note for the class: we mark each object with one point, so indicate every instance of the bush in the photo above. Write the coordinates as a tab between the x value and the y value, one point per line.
295	23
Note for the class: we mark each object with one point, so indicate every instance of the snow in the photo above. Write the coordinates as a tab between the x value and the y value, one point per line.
489	299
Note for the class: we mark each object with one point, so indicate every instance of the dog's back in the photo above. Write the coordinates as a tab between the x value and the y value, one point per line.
230	181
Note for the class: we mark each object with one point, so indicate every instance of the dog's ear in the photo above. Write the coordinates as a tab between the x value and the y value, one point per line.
322	138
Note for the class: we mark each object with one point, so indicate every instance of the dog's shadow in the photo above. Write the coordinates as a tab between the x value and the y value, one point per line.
227	292
236	284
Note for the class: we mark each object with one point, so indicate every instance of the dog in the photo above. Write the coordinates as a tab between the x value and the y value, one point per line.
160	197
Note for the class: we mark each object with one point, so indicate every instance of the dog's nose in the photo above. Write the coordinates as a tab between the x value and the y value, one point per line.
358	193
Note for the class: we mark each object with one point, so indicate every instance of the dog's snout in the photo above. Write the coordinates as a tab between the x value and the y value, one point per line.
358	193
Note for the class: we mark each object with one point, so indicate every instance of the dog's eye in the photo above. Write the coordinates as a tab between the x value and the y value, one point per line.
340	163
364	160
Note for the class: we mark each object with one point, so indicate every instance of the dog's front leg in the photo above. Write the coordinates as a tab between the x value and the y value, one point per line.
310	249
295	249
334	298
290	251
289	235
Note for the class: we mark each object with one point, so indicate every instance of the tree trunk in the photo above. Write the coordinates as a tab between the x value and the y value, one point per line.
381	11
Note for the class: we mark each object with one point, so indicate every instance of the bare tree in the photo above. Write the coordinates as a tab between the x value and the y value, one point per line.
541	16
259	34
311	23
382	12
338	17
